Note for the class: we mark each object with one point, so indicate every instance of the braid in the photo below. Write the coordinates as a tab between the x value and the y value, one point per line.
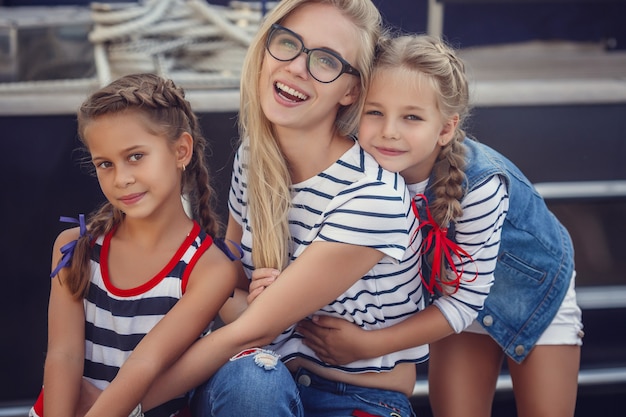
196	178
197	181
100	223
447	185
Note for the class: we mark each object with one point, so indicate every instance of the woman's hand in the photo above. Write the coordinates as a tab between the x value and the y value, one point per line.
335	341
261	278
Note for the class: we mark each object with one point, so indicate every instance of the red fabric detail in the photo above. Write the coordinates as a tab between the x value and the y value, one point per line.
104	265
443	248
206	244
360	413
245	353
38	406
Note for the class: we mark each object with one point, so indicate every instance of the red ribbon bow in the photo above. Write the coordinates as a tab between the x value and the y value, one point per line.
443	247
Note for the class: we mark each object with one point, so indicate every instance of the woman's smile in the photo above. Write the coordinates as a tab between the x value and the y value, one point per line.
288	93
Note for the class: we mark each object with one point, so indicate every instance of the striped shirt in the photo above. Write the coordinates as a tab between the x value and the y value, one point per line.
117	319
354	201
478	232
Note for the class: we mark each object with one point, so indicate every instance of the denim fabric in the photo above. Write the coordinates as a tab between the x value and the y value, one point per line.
325	398
244	389
535	260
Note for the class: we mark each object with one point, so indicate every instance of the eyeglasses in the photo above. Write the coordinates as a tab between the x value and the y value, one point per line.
323	65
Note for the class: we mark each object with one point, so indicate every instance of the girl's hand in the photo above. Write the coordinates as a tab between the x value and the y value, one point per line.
89	393
261	278
335	341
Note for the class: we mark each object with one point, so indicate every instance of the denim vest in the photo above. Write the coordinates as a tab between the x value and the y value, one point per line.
535	260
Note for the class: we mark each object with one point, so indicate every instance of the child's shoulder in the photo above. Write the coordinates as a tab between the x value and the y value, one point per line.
67	236
213	265
215	257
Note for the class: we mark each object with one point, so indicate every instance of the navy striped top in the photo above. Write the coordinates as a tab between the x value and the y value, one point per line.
117	319
354	201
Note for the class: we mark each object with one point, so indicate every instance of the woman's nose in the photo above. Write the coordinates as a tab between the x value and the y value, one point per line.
298	65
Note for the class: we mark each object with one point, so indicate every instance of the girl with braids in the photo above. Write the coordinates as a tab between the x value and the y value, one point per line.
139	282
499	265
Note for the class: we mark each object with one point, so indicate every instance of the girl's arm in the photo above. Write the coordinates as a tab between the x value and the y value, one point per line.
210	284
65	356
338	342
319	275
478	232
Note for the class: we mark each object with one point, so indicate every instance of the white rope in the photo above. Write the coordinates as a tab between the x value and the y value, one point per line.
218	20
107	14
191	41
174	36
102	64
154	10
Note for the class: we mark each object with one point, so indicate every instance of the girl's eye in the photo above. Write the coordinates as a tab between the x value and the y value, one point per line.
135	157
413	117
103	165
373	113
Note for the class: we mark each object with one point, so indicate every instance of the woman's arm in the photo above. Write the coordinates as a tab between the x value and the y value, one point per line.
323	272
65	356
210	284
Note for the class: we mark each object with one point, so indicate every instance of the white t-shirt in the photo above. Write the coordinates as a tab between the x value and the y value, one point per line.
357	202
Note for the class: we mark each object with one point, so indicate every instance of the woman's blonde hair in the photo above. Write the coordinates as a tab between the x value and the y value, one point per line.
166	112
269	182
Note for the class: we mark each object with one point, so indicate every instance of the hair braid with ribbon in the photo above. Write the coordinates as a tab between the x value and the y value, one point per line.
444	253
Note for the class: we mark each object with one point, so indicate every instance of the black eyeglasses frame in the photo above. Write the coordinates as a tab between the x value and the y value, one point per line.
345	69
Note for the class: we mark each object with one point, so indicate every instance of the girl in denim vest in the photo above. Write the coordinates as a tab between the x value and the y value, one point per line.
498	264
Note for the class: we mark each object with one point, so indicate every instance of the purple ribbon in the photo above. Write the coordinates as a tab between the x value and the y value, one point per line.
68	249
221	243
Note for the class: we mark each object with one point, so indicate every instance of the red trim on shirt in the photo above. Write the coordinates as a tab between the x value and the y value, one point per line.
104	265
206	244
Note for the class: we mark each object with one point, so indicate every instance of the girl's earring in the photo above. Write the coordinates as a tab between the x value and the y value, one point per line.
184	167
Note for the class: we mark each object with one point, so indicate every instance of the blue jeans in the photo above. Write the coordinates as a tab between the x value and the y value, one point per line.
325	398
245	388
